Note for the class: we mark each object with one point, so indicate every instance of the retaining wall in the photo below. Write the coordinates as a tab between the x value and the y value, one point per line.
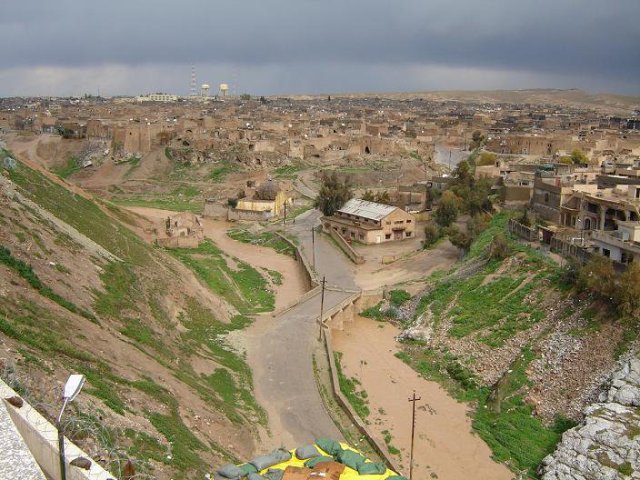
306	271
354	256
41	438
522	231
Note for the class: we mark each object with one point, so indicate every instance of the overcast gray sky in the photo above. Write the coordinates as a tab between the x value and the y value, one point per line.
71	47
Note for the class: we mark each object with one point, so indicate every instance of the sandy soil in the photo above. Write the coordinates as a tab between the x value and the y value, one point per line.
262	257
412	262
444	442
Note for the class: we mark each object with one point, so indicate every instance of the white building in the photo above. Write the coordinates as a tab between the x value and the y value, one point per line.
157	97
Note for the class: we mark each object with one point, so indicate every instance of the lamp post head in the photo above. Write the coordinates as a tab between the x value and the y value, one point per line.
72	387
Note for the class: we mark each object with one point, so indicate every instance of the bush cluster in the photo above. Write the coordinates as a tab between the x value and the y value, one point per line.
599	278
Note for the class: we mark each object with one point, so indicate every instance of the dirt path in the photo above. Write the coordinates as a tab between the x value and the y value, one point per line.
444	442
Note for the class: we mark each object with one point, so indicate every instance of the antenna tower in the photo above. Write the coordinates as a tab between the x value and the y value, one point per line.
192	91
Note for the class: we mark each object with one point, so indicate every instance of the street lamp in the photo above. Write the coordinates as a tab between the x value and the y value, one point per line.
71	390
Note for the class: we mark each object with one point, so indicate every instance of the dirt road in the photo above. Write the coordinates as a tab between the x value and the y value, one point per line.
444	444
279	352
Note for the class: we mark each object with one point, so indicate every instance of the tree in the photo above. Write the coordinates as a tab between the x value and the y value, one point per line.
369	196
627	294
524	219
578	157
477	224
447	211
383	197
598	277
477	199
459	239
333	194
477	139
431	234
463	174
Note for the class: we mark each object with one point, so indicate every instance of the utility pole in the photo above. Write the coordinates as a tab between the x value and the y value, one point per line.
313	246
324	281
284	219
413	399
449	159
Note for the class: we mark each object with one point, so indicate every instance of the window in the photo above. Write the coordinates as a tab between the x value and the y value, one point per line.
546	198
606	252
409	221
408	234
387	236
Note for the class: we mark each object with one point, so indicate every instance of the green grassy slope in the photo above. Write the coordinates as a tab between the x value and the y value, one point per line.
135	305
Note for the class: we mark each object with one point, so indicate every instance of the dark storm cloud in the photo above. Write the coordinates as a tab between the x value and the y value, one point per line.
562	37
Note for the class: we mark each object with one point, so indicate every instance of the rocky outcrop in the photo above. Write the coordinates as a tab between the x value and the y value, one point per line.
607	445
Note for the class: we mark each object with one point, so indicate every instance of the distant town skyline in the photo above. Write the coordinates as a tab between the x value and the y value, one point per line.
265	47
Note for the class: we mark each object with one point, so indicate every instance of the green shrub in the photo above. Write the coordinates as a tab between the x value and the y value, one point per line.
398	297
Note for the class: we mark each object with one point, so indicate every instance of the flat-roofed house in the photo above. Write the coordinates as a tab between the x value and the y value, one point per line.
370	222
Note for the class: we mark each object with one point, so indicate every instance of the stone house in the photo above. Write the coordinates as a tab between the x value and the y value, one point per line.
370	222
268	201
180	230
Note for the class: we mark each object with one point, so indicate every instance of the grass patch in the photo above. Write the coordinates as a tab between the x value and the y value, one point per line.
184	444
218	174
26	272
204	330
288	171
245	288
350	388
143	445
398	297
388	438
102	386
373	312
502	418
119	296
71	166
82	214
187	191
173	204
493	308
264	239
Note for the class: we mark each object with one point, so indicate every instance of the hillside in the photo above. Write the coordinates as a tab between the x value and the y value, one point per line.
79	291
511	336
605	102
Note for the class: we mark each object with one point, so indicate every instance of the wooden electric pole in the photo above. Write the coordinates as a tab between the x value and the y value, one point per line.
324	281
413	399
284	219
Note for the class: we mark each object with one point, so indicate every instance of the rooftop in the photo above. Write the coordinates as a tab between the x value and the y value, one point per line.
370	210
